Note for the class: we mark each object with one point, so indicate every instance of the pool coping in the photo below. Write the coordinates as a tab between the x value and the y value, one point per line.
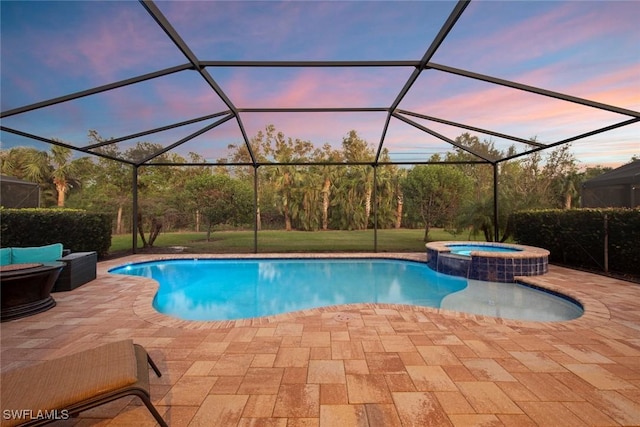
143	309
523	251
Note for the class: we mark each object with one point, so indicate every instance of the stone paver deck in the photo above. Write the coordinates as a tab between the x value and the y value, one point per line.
356	365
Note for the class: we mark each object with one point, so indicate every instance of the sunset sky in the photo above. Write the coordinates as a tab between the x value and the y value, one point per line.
587	49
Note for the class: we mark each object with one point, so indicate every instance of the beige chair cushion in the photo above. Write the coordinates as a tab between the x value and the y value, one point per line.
55	384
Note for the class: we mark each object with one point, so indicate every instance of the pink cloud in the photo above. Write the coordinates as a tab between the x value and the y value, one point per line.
540	33
190	99
614	86
617	87
503	109
317	88
105	46
269	88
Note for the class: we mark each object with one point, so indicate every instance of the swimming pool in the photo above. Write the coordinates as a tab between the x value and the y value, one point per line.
228	289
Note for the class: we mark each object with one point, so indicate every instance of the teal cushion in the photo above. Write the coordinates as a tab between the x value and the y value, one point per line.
5	256
47	253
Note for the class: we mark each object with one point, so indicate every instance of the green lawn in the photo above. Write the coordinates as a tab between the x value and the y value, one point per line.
292	241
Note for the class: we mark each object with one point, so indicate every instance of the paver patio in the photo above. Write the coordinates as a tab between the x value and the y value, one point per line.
357	365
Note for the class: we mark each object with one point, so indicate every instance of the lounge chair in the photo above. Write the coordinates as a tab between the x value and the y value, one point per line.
60	388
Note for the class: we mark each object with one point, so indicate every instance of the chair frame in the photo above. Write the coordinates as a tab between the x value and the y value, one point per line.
140	388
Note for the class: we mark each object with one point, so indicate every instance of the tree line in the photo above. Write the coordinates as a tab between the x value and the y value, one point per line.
342	190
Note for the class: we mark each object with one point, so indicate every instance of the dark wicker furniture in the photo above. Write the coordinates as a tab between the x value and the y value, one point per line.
80	269
26	291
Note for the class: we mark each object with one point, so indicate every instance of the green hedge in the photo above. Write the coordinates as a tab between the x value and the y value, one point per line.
77	230
576	237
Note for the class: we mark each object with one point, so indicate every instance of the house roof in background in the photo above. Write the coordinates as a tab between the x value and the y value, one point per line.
14	180
628	174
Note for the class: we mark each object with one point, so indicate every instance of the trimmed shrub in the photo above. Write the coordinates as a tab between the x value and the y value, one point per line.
577	237
77	230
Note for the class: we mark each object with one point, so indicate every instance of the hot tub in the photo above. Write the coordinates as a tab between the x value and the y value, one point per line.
494	262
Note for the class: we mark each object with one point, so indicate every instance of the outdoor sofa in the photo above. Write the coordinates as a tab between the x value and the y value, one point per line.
80	267
61	388
29	275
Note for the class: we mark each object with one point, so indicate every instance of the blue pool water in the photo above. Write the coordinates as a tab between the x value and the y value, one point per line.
225	289
467	249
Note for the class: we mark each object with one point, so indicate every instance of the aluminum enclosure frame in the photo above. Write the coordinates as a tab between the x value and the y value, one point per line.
392	111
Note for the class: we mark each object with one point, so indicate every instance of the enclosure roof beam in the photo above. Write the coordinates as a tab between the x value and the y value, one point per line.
435	44
455	14
576	138
166	26
312	64
186	139
96	90
473	128
442	137
315	110
61	144
156	130
383	135
533	89
261	164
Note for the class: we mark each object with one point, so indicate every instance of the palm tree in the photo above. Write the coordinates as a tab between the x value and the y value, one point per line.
63	171
306	209
329	175
348	211
44	168
569	185
398	176
285	150
389	198
386	194
283	181
357	150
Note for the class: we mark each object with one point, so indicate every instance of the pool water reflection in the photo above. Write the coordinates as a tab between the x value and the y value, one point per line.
226	289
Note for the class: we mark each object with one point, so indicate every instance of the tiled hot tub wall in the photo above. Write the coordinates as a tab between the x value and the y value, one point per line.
454	265
489	266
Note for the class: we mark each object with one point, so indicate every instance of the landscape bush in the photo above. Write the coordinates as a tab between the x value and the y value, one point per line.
576	237
77	230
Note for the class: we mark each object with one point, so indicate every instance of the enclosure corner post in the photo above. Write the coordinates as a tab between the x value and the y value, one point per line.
255	208
606	243
496	231
375	207
134	222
